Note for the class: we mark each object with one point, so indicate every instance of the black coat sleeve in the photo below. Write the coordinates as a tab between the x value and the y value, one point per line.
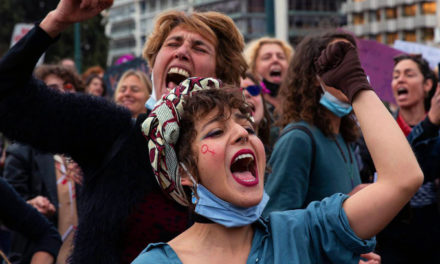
17	215
17	171
79	125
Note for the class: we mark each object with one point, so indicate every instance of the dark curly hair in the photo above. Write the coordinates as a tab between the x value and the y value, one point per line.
65	73
300	91
196	107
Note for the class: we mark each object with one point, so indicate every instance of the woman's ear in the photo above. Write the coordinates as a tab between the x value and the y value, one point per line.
185	179
427	86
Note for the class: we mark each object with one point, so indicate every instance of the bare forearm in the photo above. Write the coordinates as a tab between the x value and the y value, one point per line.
389	149
399	175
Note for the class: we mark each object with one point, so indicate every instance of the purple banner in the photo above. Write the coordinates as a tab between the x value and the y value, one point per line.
377	61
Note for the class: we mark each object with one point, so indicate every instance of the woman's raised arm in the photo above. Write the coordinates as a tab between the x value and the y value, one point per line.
399	175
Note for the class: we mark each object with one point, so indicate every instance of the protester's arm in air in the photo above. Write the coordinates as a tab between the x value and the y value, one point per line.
399	175
46	119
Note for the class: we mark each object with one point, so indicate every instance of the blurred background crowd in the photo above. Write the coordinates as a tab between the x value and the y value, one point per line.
397	47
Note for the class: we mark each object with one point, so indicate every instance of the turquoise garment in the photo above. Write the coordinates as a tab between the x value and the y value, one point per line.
293	182
319	234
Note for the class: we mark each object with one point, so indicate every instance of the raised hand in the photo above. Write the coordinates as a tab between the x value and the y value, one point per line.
72	11
339	67
434	111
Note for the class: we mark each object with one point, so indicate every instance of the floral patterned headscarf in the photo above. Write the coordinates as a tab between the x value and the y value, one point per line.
162	129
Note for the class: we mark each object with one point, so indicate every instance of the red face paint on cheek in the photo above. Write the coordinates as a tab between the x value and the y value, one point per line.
205	149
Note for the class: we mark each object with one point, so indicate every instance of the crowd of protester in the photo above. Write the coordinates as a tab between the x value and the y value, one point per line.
170	167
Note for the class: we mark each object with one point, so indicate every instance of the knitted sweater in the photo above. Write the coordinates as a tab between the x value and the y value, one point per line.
121	207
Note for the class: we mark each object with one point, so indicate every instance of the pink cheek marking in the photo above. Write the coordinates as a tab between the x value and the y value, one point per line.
205	149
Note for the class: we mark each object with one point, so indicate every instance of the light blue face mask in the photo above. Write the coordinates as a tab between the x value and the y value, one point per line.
151	102
334	105
224	213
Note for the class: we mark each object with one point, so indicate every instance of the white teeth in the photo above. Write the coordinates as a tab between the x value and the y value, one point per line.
179	71
244	156
275	68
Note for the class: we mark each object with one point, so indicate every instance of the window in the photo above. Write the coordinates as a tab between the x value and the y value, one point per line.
391	37
428	34
390	13
409	36
428	8
409	10
379	38
374	15
358	18
256	6
256	26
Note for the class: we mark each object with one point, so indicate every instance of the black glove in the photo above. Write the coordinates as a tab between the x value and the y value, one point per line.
339	67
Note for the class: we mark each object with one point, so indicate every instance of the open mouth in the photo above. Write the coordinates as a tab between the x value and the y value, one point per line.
275	73
401	91
252	107
244	168
175	76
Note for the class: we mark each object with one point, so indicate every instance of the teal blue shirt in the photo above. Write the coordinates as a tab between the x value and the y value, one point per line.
293	182
318	234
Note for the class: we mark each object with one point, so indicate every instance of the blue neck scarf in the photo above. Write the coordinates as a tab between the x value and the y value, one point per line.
224	213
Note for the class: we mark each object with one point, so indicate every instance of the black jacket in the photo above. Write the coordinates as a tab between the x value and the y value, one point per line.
106	143
17	215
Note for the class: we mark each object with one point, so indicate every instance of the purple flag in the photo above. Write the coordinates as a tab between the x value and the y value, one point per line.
377	61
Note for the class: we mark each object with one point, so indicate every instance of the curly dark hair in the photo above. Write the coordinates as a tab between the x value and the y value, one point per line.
300	91
197	106
65	73
426	71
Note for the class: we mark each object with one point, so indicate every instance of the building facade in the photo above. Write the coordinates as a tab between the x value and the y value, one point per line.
388	20
130	21
313	16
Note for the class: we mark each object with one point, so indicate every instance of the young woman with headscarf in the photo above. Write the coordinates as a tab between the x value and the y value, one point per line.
122	208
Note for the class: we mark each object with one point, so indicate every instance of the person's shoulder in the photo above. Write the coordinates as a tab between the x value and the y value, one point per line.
19	150
157	253
331	204
295	136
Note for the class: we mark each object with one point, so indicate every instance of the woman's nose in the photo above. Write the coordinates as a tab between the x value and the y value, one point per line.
182	53
241	134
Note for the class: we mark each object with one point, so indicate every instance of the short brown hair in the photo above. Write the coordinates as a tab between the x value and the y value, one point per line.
253	48
300	92
229	43
96	70
67	74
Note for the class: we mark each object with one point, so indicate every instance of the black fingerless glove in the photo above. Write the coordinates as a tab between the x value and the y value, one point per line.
339	67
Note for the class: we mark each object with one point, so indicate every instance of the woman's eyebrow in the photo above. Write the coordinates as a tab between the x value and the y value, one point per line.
201	43
176	38
215	119
240	116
